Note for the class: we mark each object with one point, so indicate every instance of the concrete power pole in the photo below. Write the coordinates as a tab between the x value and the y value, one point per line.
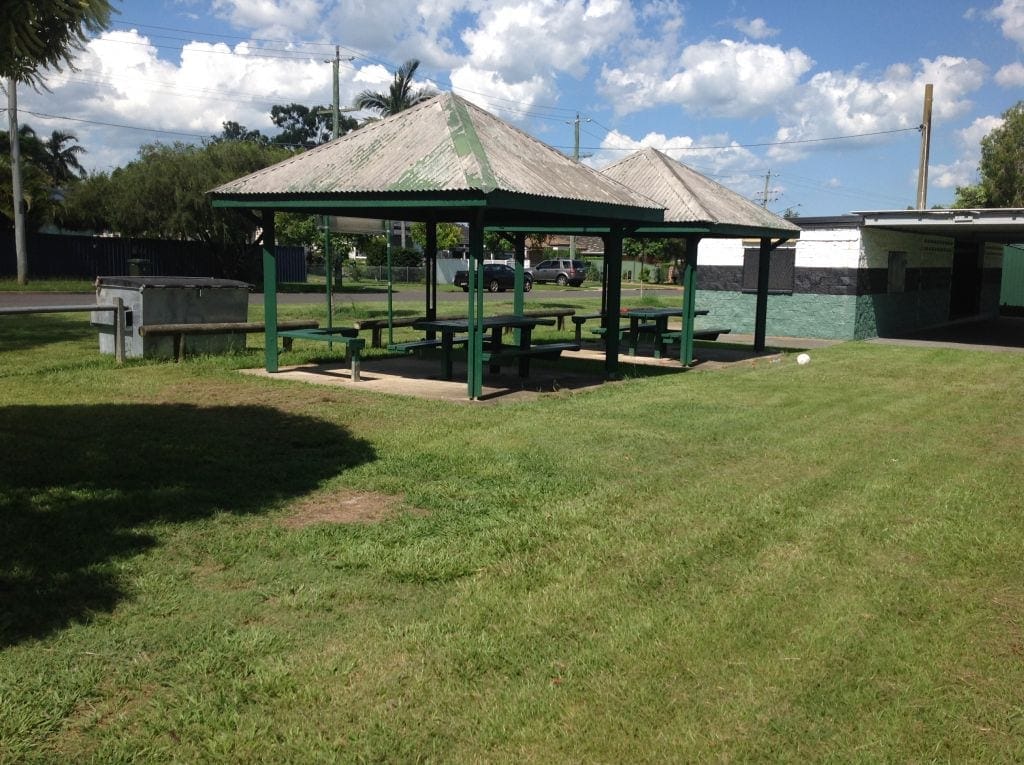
926	144
21	252
575	158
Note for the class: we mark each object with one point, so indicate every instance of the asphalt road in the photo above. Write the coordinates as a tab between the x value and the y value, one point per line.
444	295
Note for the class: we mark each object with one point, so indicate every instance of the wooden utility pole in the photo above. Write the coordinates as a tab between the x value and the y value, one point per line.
20	249
926	142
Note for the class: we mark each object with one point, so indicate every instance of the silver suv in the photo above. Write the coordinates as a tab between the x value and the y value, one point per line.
562	272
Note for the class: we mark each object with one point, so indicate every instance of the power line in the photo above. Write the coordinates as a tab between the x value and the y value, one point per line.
761	144
42	115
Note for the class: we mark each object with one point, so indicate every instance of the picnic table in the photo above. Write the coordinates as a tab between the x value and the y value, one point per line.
495	353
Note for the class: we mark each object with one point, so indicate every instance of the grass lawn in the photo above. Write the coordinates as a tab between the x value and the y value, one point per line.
771	563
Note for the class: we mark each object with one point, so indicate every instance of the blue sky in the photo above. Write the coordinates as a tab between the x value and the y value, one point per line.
743	92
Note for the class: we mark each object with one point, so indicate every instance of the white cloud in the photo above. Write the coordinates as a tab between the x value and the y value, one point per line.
1010	14
271	19
1011	75
847	103
718	78
121	80
756	29
509	100
964	170
543	36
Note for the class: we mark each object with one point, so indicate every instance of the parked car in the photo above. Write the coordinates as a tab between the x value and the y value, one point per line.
562	272
497	278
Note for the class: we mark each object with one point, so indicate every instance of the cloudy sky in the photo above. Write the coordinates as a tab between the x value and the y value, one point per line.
819	101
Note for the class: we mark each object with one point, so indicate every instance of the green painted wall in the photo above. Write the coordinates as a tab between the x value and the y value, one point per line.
840	317
800	315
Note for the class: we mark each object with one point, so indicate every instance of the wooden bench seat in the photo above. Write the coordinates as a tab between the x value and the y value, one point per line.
180	331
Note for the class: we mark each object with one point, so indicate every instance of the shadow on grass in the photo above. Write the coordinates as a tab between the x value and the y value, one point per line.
81	485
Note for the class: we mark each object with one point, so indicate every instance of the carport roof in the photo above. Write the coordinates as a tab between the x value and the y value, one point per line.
692	199
443	155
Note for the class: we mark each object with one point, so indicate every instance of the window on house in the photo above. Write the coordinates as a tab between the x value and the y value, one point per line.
781	270
897	281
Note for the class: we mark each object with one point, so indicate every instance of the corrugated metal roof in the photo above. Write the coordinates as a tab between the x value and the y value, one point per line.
445	144
688	196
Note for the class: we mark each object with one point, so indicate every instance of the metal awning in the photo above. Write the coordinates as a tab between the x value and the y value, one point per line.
997	225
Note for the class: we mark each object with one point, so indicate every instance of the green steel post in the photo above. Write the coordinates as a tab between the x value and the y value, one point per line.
518	302
689	300
328	268
391	329
476	299
269	292
613	263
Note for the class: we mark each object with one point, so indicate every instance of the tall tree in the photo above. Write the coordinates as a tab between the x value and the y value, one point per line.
36	35
45	34
62	158
400	96
1001	170
306	127
232	131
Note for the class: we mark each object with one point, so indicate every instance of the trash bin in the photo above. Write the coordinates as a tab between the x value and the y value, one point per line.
172	300
139	266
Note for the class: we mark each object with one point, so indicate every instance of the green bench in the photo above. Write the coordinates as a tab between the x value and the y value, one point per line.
523	355
346	336
430	342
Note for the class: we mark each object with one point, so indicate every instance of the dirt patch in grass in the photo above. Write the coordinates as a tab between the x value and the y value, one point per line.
342	507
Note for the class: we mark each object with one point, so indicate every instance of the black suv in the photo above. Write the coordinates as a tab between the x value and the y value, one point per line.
497	278
562	272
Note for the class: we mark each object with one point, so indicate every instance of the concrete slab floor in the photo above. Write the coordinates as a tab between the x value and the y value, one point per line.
421	376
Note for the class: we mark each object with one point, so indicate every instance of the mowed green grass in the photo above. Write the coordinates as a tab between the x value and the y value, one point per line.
771	563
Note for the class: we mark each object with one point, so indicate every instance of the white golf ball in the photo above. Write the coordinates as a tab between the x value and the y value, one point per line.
802	359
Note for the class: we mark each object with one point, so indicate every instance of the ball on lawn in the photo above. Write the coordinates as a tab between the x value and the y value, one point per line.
802	359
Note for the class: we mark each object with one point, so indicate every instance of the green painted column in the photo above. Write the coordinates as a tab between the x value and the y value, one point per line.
519	301
613	265
475	344
431	272
269	292
391	329
689	300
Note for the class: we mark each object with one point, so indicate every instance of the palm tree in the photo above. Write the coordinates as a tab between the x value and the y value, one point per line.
62	161
400	95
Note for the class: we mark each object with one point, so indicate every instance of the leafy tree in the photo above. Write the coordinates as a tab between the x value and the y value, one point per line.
87	205
304	127
36	190
232	131
400	95
32	149
45	34
449	235
308	231
162	193
62	159
400	258
1001	169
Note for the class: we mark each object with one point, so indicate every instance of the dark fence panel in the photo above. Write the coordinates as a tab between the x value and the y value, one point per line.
86	257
